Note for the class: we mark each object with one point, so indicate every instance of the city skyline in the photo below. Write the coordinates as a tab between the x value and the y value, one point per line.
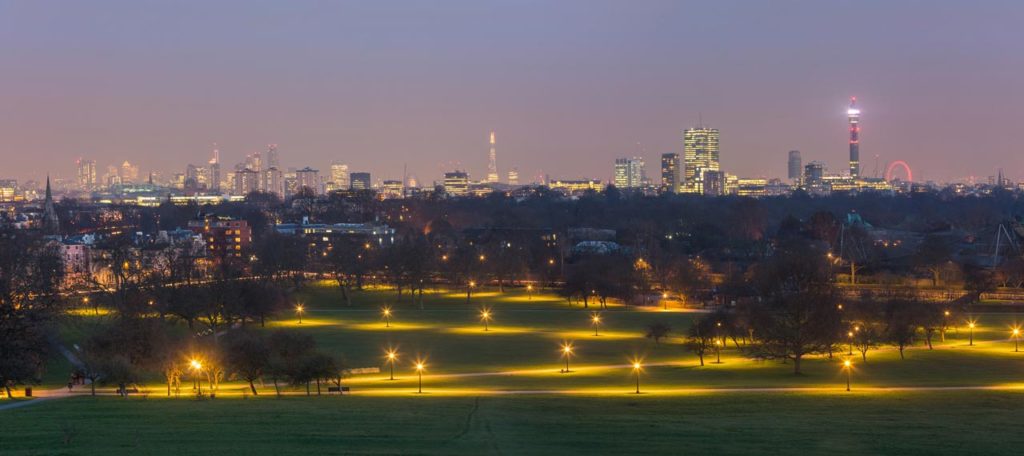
589	86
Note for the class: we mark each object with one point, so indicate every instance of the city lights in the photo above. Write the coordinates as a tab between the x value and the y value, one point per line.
386	311
298	311
595	321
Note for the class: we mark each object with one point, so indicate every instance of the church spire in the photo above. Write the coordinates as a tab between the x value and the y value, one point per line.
51	224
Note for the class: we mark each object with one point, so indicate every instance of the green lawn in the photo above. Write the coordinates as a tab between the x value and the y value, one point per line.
828	424
526	335
467	408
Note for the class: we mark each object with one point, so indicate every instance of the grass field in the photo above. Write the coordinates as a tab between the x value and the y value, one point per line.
905	424
501	391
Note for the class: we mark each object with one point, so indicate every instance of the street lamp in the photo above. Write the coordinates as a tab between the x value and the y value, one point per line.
1016	339
664	300
849	335
469	289
485	316
636	370
848	366
945	324
529	292
970	325
567	352
391	356
387	316
595	319
419	371
298	310
718	350
197	367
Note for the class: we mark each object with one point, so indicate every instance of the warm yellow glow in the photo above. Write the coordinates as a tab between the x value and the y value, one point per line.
472	284
392	355
839	306
299	308
847	364
567	348
1016	332
529	287
970	325
387	311
849	333
946	313
482	258
195	364
420	366
636	365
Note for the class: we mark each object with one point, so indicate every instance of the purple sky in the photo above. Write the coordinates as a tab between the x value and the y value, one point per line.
568	85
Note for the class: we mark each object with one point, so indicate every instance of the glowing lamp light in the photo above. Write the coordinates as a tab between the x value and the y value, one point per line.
195	364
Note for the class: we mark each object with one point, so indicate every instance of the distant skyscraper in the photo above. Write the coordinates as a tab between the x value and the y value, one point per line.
272	181
513	176
339	176
86	174
853	113
814	173
214	183
360	181
129	173
670	172
795	166
309	178
456	183
492	164
246	182
254	161
714	183
629	173
700	153
272	159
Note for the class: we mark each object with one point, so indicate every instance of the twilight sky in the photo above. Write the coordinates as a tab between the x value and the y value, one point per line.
567	85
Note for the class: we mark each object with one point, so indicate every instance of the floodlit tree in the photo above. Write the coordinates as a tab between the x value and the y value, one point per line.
932	255
901	323
657	331
30	275
288	351
798	316
247	356
701	337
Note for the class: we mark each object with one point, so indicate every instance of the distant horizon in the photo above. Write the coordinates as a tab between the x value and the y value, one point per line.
567	87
